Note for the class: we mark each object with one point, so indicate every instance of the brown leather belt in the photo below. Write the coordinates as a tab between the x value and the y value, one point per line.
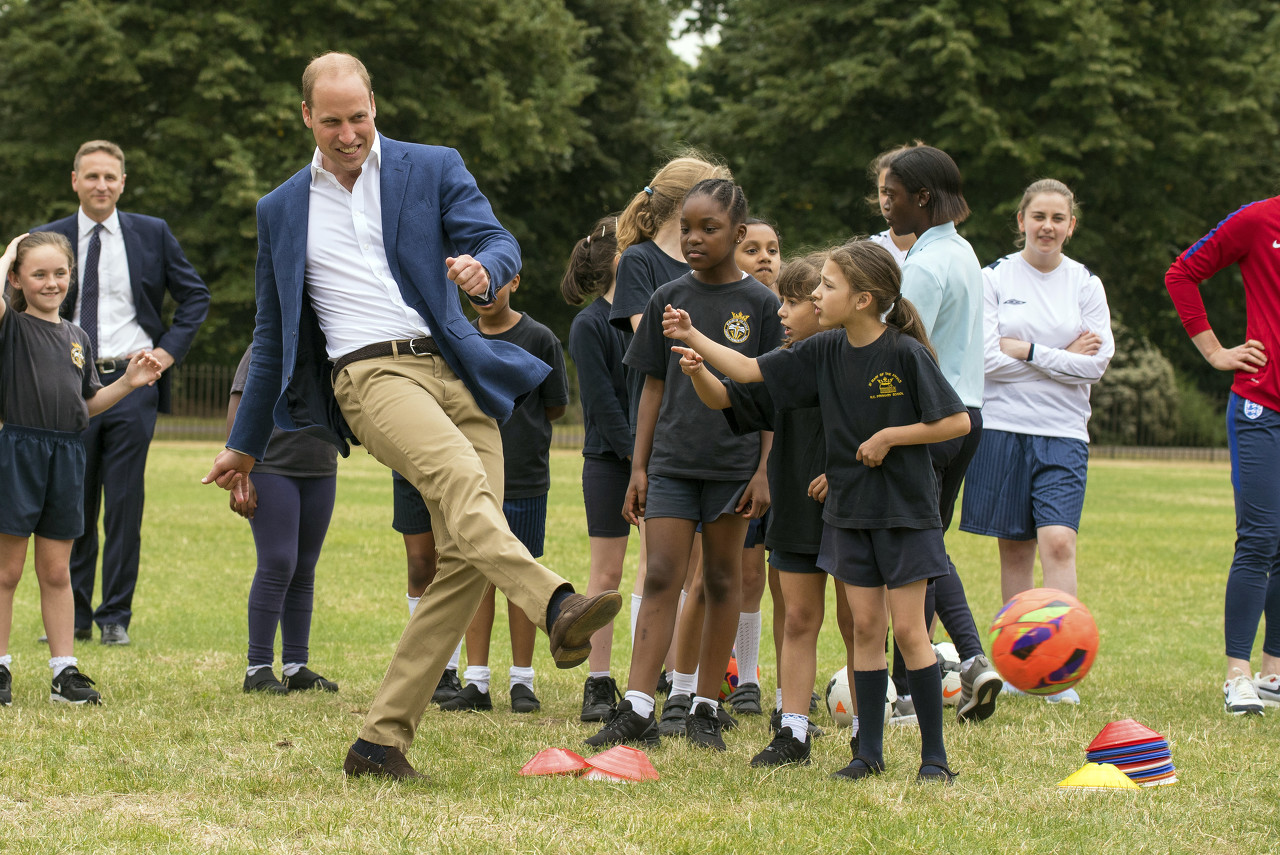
408	347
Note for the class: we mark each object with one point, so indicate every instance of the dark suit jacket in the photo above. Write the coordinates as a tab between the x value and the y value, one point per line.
431	208
156	265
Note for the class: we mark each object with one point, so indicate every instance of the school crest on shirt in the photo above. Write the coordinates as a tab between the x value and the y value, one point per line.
885	385
738	328
77	354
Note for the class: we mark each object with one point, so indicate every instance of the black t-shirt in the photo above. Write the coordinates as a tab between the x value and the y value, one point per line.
798	456
690	439
526	436
290	452
889	383
46	373
597	350
641	270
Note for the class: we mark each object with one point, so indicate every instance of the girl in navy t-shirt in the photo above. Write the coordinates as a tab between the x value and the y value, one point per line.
883	400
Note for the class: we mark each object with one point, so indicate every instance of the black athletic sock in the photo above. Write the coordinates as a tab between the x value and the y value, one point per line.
926	694
869	688
557	600
371	751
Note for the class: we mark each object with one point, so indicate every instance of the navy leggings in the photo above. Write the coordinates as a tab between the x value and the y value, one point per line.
288	529
1253	585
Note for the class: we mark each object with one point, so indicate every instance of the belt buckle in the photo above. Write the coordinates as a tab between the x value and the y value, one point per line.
415	351
107	366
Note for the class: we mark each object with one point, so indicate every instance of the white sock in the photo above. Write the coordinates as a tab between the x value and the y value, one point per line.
747	643
59	663
254	669
413	603
523	676
711	703
683	684
291	668
641	703
777	700
966	663
635	615
596	675
799	725
478	675
6	660
456	657
855	726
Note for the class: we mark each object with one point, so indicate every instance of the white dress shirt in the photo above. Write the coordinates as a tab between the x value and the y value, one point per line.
119	333
347	276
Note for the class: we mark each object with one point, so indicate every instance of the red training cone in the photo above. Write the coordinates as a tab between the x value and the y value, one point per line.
554	761
621	763
1118	733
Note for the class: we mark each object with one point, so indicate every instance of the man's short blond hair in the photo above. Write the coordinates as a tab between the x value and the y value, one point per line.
333	63
99	145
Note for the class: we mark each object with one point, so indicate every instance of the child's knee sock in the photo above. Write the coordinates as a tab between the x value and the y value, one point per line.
870	687
926	693
747	645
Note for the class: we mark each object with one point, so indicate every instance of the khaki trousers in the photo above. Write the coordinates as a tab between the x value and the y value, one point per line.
414	415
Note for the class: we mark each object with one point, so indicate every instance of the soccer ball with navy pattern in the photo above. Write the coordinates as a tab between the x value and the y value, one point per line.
1043	641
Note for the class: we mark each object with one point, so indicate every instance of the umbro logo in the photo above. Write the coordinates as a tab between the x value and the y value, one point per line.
1013	302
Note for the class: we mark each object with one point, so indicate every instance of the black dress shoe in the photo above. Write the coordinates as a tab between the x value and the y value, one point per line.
305	679
394	766
85	634
113	633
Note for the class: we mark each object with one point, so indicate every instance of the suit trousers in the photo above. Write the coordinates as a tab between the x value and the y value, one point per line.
415	416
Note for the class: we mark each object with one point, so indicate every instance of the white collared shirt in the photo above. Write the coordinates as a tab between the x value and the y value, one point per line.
119	333
347	276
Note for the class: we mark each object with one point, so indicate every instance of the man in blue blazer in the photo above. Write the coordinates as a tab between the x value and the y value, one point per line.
360	336
132	261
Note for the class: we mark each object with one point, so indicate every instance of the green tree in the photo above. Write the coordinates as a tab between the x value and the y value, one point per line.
204	99
1161	115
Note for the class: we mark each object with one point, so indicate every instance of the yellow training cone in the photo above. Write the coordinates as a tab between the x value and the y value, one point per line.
1098	776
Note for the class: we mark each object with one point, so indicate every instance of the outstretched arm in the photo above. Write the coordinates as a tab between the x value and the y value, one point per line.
143	369
730	363
710	390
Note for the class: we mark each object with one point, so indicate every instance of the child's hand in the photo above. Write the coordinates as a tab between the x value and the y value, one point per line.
873	451
144	369
690	361
818	488
10	253
676	323
633	504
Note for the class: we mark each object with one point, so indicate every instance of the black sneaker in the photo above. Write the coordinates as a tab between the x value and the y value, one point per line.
448	687
664	683
745	700
470	699
702	728
305	679
626	727
858	769
674	711
775	724
263	680
6	686
523	700
599	694
784	749
72	687
935	773
813	702
727	722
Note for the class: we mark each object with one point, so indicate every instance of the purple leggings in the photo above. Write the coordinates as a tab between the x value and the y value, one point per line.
288	529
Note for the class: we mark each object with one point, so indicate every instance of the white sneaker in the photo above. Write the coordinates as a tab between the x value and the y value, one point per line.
1066	696
1241	698
1268	689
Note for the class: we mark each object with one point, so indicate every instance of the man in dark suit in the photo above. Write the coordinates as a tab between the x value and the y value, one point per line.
125	265
360	336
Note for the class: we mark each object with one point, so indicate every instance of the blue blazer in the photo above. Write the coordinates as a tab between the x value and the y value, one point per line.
431	208
156	265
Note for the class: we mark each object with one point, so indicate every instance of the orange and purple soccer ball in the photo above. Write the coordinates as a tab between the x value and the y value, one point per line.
1043	641
730	684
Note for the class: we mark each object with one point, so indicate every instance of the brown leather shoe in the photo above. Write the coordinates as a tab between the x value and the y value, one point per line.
579	619
394	766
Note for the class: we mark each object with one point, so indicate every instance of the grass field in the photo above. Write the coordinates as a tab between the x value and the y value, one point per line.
179	759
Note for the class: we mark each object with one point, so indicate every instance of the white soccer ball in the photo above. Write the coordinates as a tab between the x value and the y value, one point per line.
949	665
840	699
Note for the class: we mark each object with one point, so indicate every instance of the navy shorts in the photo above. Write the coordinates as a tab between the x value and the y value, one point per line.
604	489
409	514
755	532
794	562
1018	483
893	557
697	499
528	521
42	481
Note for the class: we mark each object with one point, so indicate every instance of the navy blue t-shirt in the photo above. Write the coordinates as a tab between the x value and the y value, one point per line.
891	382
691	440
597	350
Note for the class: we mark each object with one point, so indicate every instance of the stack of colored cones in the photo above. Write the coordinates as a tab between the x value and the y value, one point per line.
620	763
1136	750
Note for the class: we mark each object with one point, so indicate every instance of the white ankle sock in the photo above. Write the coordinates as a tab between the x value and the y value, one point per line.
456	657
413	603
479	675
777	700
58	663
291	668
523	676
641	703
712	703
682	684
799	725
596	675
635	615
